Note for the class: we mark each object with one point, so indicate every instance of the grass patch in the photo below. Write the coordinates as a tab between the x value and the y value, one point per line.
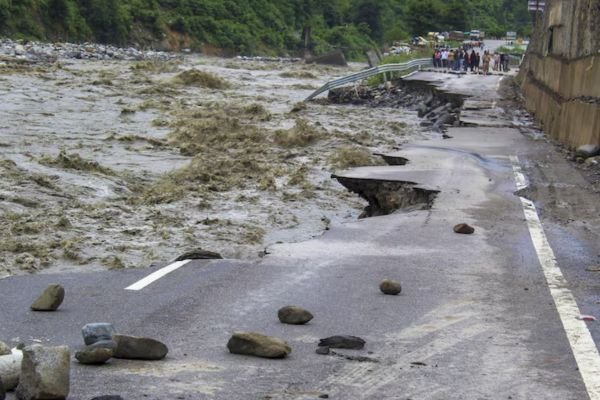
203	79
137	138
298	75
301	134
300	106
258	111
113	262
351	157
74	161
156	66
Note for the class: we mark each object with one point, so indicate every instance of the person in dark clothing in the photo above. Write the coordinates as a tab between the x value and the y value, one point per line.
473	60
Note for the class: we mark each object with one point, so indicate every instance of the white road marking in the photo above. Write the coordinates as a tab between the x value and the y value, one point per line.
581	341
142	283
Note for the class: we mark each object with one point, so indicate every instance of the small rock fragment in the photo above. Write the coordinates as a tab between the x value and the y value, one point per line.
322	350
4	349
388	286
465	229
343	342
93	355
294	315
44	373
50	299
139	348
256	344
96	332
199	254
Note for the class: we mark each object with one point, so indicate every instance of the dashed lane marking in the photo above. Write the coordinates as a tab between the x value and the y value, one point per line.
581	341
142	283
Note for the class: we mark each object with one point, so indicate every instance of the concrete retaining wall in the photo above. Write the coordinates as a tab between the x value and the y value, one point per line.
560	76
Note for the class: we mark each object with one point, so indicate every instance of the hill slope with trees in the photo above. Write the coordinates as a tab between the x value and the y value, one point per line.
253	27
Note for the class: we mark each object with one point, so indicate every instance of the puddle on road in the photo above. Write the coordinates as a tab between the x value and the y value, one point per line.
113	164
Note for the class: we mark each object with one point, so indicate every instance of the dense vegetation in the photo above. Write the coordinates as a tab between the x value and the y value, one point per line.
256	26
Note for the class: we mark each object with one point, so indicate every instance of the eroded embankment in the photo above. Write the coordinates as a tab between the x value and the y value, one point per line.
387	196
438	109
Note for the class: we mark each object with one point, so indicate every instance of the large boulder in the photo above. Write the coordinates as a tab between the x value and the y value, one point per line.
4	349
139	348
10	369
294	315
93	355
44	373
96	332
256	344
50	299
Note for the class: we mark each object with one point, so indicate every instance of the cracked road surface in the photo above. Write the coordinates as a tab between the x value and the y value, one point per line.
475	320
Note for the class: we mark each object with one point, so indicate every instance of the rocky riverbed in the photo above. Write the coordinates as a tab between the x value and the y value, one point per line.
122	158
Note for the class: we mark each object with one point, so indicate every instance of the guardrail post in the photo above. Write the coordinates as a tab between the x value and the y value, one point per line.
385	77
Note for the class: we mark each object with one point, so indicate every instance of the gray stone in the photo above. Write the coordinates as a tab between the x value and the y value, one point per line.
587	150
322	350
10	369
343	342
139	348
4	349
388	286
256	344
44	373
199	254
2	390
50	299
93	355
19	50
96	332
464	229
294	315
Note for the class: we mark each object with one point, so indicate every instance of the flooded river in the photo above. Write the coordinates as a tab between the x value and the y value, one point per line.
122	164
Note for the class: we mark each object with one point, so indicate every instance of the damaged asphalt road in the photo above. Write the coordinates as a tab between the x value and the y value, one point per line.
475	319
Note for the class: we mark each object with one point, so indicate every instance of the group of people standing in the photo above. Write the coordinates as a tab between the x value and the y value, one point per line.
463	60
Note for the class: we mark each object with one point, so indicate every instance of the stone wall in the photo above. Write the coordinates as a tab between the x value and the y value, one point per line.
560	76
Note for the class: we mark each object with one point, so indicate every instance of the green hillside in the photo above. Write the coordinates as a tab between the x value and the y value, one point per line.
251	27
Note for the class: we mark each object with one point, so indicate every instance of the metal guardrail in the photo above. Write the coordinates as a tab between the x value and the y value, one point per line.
381	69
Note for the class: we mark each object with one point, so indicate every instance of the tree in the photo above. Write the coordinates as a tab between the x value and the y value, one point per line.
456	15
425	16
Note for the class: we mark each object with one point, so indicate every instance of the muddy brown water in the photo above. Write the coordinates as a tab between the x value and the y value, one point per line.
82	143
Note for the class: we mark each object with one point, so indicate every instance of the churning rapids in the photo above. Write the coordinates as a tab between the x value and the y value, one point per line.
121	164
